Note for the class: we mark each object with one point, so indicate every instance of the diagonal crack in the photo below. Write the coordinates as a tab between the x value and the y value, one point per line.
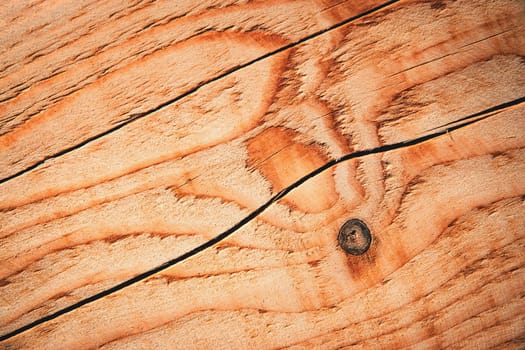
140	115
463	122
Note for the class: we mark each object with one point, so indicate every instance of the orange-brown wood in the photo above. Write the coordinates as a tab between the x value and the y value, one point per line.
133	133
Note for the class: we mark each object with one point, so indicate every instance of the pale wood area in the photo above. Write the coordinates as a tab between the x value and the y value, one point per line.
130	135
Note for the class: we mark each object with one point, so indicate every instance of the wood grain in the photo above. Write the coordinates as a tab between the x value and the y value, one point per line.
445	269
70	73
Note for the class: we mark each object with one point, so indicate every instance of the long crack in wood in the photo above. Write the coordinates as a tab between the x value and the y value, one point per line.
447	128
137	116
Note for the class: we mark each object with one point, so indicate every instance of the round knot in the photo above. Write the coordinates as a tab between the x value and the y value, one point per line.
354	237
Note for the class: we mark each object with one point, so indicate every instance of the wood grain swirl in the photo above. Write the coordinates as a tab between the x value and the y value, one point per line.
76	87
445	268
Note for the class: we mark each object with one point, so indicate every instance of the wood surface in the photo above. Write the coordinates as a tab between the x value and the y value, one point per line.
133	132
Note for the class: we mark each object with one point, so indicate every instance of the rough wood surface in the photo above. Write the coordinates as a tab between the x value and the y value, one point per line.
132	134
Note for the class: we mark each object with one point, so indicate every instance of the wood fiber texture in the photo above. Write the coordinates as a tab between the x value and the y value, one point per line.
133	132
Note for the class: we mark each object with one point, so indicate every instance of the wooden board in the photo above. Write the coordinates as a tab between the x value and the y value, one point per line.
128	142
